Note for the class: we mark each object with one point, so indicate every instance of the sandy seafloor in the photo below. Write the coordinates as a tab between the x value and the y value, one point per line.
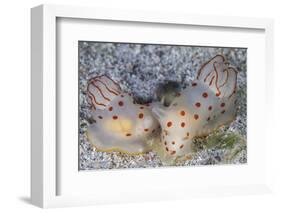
139	69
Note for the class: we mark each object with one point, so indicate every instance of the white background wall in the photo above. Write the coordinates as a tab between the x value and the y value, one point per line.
15	103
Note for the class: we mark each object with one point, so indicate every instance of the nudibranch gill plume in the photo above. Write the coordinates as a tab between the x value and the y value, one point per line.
120	124
206	104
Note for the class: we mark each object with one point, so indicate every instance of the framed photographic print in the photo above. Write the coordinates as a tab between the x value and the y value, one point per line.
130	102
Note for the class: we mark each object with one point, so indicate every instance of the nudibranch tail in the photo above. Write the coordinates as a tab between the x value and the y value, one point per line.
218	76
102	90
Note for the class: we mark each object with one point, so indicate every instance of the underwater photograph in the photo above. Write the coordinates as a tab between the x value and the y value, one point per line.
156	105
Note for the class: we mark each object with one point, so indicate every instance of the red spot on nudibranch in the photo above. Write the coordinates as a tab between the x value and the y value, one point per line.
222	112
205	95
218	94
110	108
196	116
181	146
182	113
141	107
165	143
187	134
198	104
194	84
173	152
167	149
115	117
222	104
182	124
173	142
146	130
120	103
141	115
169	124
210	108
100	117
208	118
128	134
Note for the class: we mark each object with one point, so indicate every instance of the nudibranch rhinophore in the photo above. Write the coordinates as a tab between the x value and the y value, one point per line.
121	124
206	104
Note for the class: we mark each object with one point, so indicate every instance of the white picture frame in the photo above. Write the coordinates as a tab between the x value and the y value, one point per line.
48	167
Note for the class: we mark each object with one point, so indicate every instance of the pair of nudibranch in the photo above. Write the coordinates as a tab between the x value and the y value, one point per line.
123	125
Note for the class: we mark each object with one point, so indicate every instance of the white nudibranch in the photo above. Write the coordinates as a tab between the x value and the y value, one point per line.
120	123
208	103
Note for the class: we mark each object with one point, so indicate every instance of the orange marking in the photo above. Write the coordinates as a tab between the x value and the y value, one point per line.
207	76
106	98
114	92
115	117
110	108
120	103
141	115
198	104
205	95
128	134
94	98
181	146
111	80
211	82
210	108
217	77
194	84
169	124
203	66
93	107
173	142
173	152
182	124
187	134
182	113
196	116
146	130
